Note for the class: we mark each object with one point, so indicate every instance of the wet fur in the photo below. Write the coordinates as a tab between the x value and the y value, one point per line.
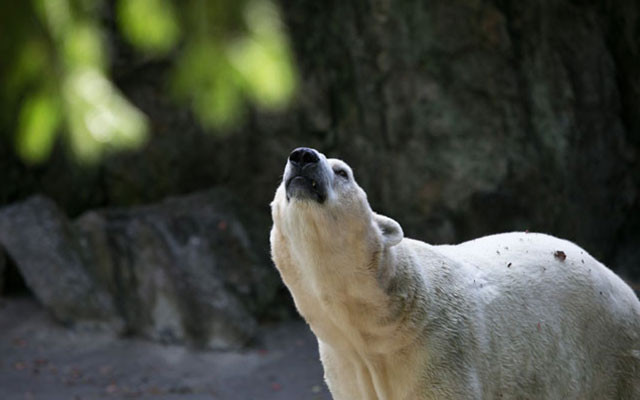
497	317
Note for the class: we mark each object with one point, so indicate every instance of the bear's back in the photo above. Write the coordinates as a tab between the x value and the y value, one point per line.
540	266
547	318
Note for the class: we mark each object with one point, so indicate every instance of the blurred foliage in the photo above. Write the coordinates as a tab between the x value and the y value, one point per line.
54	68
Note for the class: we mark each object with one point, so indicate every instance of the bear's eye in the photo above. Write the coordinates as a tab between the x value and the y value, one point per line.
341	172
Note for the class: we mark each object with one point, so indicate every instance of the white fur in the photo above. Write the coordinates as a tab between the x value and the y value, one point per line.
498	317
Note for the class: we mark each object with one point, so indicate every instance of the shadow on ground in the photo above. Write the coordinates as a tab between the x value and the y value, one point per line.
41	360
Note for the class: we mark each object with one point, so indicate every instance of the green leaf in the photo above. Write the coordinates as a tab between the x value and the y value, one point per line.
263	58
100	118
266	69
206	78
149	24
29	66
37	127
83	46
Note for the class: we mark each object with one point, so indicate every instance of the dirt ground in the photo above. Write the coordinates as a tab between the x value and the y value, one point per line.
40	360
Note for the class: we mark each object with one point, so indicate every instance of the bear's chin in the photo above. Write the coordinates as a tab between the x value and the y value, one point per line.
305	189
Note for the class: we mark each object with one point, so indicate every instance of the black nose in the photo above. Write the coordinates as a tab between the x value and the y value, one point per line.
303	156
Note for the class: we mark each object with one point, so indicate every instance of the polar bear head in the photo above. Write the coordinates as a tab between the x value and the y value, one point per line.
320	208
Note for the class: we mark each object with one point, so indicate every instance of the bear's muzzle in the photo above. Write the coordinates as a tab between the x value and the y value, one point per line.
305	177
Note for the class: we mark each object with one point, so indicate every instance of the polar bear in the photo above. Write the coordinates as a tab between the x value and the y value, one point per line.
508	316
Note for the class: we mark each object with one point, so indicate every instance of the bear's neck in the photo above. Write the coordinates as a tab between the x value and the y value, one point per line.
346	292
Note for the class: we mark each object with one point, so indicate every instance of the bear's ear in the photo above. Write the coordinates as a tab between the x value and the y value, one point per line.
391	231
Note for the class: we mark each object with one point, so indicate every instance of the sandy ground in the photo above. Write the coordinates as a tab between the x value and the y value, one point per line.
41	360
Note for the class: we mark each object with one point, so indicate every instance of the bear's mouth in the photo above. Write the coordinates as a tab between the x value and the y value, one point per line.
303	187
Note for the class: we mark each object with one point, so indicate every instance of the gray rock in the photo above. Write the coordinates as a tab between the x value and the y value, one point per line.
182	270
46	250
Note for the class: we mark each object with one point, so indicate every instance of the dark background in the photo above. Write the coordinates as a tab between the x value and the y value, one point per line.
459	118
